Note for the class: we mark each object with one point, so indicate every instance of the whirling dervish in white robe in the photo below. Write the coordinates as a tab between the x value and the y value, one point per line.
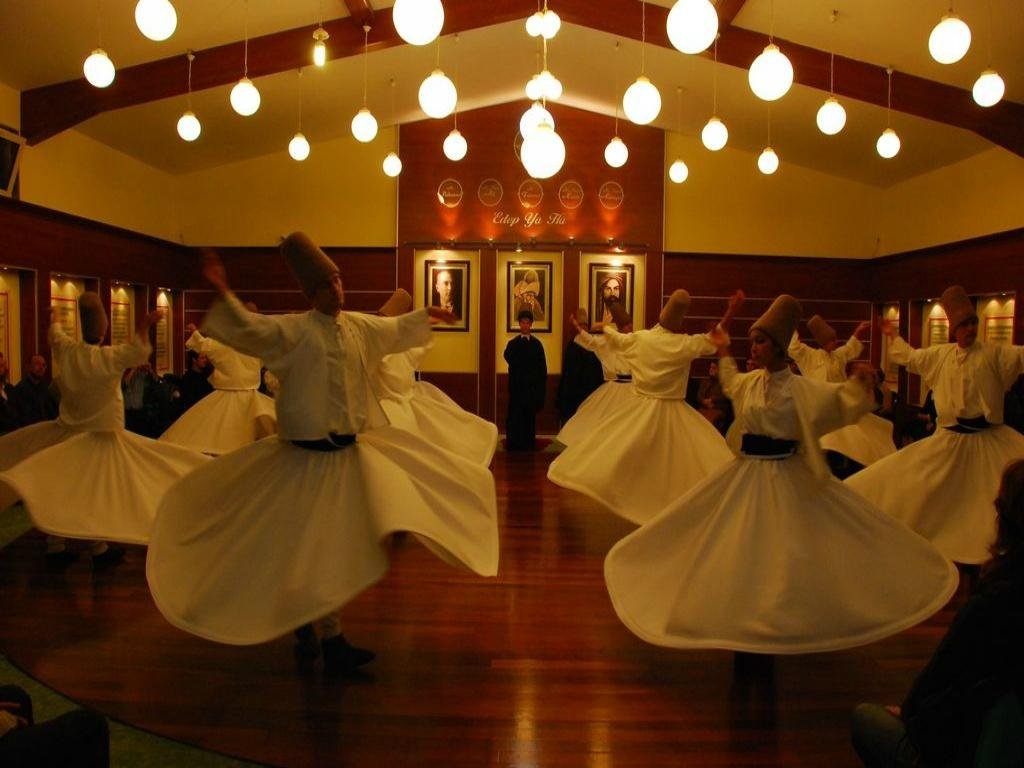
771	554
83	475
235	413
286	530
643	457
870	439
943	486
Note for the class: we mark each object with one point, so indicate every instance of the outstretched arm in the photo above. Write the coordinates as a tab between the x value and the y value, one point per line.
735	302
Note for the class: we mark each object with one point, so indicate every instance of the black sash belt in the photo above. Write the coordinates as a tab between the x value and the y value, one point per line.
333	442
969	426
762	445
623	378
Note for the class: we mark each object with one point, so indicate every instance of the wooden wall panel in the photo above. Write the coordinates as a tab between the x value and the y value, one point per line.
463	388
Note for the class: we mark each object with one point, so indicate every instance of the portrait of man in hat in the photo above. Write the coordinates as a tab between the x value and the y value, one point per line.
609	283
446	284
529	287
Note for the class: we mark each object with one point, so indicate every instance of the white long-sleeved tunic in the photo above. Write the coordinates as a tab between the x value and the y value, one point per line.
659	359
821	364
612	364
231	370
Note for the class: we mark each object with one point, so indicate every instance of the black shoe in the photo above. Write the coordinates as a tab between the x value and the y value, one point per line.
60	559
307	645
108	557
342	659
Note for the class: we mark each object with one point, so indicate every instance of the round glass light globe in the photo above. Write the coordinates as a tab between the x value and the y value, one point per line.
534	91
550	86
949	40
392	165
771	74
534	24
156	19
438	95
99	69
768	161
543	152
298	147
533	117
188	126
364	126
616	153
418	22
692	25
988	88
831	117
455	146
888	144
714	135
641	102
550	24
245	98
678	172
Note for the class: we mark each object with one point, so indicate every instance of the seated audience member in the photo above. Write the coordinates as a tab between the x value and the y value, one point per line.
137	385
194	384
9	420
77	739
33	395
712	403
978	664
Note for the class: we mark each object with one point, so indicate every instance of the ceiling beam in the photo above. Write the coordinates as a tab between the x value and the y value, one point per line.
727	11
360	12
50	109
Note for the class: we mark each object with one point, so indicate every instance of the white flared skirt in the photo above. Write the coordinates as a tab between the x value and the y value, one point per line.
446	426
609	398
424	389
224	420
642	457
272	536
98	485
866	441
764	558
944	487
17	446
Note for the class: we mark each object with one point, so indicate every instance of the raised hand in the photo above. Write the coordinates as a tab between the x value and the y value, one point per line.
442	315
888	328
861	327
214	272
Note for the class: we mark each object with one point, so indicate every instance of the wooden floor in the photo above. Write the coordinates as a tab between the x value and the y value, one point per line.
529	669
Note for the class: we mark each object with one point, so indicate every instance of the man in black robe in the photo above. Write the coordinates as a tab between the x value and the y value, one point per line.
527	377
581	374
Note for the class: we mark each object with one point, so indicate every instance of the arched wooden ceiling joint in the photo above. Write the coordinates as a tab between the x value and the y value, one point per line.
50	109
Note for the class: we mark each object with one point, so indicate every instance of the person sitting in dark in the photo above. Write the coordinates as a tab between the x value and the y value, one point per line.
34	397
77	739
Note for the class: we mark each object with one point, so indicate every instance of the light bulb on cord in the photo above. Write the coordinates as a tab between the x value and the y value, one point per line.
949	40
156	19
364	126
437	95
642	101
99	69
550	86
550	23
418	22
543	152
455	146
678	172
616	153
988	88
245	97
533	117
534	24
888	144
392	165
768	161
771	74
831	117
189	127
298	147
320	37
714	135
692	25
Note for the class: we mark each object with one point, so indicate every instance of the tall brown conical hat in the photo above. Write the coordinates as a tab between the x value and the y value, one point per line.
822	332
397	304
93	317
780	321
311	266
672	314
958	306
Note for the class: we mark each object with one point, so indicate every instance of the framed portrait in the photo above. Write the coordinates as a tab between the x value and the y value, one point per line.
606	281
446	285
67	314
529	287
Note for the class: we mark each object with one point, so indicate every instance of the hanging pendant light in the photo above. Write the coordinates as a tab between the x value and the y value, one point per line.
320	37
988	88
534	24
771	74
831	117
455	145
99	69
616	153
950	39
714	135
156	19
692	25
437	95
642	102
189	127
888	144
298	147
245	97
768	161
392	165
364	124
533	117
543	152
678	171
418	22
